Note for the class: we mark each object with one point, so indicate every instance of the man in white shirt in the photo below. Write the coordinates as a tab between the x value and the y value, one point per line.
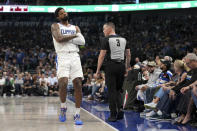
43	79
154	76
52	80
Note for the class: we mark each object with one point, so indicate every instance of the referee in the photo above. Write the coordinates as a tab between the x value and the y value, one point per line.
114	47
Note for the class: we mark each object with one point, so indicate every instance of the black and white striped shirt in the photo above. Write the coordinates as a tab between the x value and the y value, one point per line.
115	46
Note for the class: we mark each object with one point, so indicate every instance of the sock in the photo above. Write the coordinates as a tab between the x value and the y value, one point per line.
63	105
77	111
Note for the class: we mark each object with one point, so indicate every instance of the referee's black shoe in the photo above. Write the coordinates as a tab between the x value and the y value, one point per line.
112	117
120	115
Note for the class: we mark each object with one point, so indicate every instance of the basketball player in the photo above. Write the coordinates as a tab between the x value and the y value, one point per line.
66	38
115	48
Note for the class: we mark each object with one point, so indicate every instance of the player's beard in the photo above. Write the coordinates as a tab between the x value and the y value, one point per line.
66	18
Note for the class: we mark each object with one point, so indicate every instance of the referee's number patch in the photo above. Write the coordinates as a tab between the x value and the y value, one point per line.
118	42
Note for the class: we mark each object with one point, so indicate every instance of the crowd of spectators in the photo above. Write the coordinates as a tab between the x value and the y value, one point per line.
163	89
148	37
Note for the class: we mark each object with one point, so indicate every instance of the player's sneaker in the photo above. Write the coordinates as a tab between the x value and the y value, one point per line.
77	120
62	116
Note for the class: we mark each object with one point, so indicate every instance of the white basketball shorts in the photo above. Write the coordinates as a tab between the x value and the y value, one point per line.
69	65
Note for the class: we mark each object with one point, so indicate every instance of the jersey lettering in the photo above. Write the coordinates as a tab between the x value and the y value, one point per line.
71	32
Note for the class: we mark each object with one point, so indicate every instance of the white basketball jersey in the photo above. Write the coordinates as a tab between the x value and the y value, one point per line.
65	47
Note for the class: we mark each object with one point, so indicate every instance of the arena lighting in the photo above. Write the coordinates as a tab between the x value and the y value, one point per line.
100	8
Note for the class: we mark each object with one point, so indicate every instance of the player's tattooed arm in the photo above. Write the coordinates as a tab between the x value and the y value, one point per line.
58	36
77	29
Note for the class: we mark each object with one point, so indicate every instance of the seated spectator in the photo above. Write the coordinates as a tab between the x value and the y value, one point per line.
53	90
154	76
8	89
40	90
87	86
52	80
96	85
27	89
43	79
18	83
101	94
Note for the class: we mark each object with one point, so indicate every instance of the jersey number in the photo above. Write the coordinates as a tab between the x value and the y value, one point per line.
118	42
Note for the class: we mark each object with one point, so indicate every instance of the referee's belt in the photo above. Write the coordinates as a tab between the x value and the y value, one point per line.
117	60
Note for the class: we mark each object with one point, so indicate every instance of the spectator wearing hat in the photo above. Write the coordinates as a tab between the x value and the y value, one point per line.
164	77
153	77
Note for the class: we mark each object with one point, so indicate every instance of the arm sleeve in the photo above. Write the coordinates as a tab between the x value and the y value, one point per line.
79	40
